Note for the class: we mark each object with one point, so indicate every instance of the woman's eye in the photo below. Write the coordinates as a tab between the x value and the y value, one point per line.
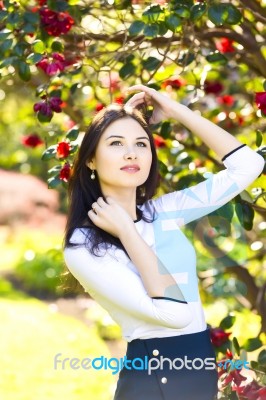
119	143
141	144
115	143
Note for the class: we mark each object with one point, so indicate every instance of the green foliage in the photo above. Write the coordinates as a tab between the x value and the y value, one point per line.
42	272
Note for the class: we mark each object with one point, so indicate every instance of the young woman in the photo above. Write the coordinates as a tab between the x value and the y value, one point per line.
129	252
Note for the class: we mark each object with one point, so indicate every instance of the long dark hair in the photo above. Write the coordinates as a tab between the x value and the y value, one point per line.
83	191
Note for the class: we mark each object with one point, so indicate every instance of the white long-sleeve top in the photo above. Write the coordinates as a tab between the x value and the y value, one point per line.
114	281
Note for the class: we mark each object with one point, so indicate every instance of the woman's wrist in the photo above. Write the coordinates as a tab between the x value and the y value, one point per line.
179	112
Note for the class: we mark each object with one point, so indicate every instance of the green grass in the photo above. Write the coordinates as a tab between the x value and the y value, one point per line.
31	335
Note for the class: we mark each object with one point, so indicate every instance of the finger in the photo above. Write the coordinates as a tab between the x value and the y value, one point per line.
92	216
136	103
101	202
95	207
143	88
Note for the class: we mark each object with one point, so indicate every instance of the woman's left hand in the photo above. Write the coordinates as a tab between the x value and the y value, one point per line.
163	106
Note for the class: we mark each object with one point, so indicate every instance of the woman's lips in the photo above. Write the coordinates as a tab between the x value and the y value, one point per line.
130	170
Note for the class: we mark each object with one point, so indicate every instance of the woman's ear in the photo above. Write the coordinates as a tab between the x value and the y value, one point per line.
90	165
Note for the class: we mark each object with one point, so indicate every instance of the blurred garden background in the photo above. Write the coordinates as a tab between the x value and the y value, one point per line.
60	63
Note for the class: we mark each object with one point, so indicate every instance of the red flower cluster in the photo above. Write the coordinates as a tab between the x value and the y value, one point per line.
260	100
213	87
174	83
251	391
47	106
99	107
119	100
219	336
226	99
159	141
65	172
32	140
52	65
55	23
225	45
63	150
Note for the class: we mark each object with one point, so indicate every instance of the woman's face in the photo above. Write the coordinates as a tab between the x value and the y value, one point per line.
123	156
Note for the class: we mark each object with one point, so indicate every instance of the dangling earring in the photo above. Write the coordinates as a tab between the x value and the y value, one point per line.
142	191
93	175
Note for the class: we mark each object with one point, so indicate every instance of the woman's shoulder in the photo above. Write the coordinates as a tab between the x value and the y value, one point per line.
79	236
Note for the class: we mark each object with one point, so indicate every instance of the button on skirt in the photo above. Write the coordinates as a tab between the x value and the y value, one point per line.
171	368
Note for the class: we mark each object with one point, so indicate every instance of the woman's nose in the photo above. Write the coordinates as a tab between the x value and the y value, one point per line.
130	154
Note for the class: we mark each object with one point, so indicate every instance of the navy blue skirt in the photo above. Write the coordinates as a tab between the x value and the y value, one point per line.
171	368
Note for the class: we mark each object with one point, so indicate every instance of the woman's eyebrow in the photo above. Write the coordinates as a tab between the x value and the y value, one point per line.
123	137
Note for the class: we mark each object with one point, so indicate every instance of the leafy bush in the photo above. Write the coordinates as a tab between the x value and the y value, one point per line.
40	273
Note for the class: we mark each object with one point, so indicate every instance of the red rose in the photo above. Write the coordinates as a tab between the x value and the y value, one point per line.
219	336
260	99
225	45
213	87
99	107
226	99
55	23
119	100
159	141
52	65
63	149
174	83
65	172
32	140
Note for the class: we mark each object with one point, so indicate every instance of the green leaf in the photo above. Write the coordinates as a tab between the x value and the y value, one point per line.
74	148
227	322
28	28
6	45
72	134
19	48
4	35
49	153
32	17
235	346
33	58
151	63
127	70
162	28
252	344
56	169
262	357
264	85
245	215
57	5
197	11
24	71
3	15
53	182
216	57
218	14
9	61
57	46
173	22
44	118
182	11
39	46
234	15
152	14
259	138
136	27
166	129
13	18
151	31
186	58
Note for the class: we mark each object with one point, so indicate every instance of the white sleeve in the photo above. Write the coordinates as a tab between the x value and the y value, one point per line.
110	280
243	166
